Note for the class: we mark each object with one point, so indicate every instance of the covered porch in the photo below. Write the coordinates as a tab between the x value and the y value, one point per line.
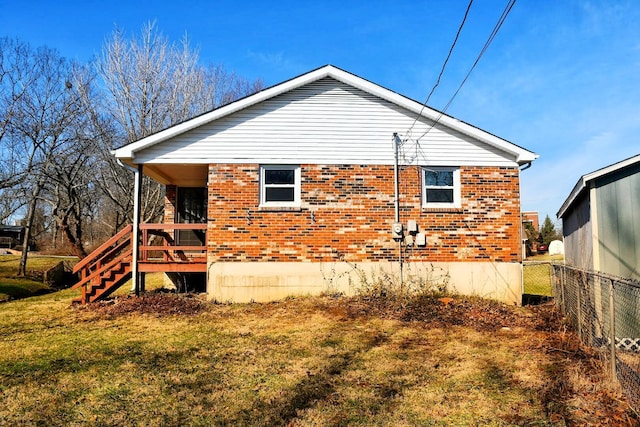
177	246
161	250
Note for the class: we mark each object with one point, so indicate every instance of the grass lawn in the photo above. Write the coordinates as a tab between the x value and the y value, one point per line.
166	360
537	280
537	277
12	287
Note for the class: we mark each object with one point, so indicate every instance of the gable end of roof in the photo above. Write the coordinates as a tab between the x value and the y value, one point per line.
520	155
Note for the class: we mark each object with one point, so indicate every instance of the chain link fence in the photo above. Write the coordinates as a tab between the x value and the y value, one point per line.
605	312
537	277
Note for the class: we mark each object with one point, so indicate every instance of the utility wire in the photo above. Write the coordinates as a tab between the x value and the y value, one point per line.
492	36
444	65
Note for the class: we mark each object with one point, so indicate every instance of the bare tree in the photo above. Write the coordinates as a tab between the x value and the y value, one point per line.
17	76
39	127
151	84
58	127
71	185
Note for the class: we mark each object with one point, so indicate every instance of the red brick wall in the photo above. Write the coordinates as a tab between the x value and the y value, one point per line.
487	227
347	212
170	200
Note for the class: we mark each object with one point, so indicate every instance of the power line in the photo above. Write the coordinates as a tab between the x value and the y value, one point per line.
444	65
490	39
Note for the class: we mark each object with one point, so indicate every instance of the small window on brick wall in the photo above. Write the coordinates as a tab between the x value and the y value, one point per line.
280	185
441	187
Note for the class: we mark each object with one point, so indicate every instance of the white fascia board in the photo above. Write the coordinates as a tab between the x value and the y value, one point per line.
584	181
577	190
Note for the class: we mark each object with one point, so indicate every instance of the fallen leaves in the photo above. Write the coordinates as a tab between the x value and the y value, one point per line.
477	313
154	303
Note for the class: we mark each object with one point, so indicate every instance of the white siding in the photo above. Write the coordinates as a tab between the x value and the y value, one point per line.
325	122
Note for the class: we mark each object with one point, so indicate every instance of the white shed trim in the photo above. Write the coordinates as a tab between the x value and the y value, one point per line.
583	182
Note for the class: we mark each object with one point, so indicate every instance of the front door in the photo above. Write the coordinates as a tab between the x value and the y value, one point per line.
191	209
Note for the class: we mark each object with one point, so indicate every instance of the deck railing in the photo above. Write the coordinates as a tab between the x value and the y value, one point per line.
110	265
97	271
159	245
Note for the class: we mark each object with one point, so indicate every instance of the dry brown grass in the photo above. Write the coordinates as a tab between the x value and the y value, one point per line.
304	361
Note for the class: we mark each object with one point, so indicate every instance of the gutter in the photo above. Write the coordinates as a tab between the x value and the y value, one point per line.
126	166
526	166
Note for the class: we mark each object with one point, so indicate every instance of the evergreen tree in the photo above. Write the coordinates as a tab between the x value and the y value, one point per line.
548	231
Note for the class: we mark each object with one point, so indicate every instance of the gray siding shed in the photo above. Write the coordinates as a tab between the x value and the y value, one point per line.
601	220
578	238
618	208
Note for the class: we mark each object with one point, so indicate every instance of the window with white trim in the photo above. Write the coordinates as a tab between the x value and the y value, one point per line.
280	185
441	187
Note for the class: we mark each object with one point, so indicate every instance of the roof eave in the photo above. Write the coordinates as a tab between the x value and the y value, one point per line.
577	190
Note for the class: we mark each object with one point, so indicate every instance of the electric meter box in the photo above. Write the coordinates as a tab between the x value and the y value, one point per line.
396	230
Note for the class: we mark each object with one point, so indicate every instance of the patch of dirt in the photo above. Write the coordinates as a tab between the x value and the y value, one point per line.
158	304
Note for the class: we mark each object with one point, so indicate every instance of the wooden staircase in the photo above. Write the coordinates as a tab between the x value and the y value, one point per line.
105	269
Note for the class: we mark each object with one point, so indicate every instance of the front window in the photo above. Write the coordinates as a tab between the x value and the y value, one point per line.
280	185
441	187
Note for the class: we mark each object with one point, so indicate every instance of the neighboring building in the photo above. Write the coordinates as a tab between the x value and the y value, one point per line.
11	236
601	220
292	190
531	217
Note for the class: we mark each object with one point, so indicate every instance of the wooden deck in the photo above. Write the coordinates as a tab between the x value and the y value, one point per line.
111	265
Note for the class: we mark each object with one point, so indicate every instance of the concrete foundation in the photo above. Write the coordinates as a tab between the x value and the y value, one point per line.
270	281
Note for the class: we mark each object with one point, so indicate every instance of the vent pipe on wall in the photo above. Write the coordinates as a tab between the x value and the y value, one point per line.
396	184
396	179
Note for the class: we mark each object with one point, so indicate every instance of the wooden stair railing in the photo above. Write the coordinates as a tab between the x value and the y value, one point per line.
105	269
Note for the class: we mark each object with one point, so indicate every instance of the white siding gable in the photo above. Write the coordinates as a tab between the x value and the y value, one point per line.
323	122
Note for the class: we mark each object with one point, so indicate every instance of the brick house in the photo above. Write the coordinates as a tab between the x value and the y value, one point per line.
296	190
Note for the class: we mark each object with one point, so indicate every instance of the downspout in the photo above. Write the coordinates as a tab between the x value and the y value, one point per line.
526	166
522	245
396	180
522	235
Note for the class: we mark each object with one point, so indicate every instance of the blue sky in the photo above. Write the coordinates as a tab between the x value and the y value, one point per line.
562	78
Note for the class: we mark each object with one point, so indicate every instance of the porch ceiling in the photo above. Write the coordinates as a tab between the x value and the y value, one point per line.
182	175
